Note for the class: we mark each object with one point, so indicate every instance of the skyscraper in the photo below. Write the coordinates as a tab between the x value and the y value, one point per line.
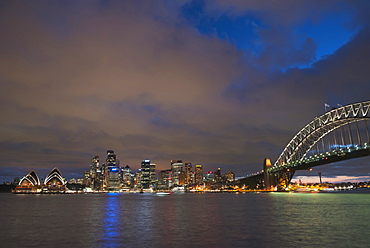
188	173
217	175
176	168
152	174
112	171
94	170
127	177
210	176
198	174
145	174
164	179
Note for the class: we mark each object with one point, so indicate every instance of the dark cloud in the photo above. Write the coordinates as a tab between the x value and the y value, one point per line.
80	77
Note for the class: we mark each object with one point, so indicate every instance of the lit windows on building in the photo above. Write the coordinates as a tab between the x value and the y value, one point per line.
176	168
217	175
153	178
230	176
210	176
164	179
198	177
112	172
188	174
145	174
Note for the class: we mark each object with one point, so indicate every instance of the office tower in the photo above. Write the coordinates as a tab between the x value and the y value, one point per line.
164	179
152	174
137	182
145	174
112	171
176	168
210	176
182	178
93	174
87	178
127	177
217	175
188	173
94	166
99	178
230	176
198	174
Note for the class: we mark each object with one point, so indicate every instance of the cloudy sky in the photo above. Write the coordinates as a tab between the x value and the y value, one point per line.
218	83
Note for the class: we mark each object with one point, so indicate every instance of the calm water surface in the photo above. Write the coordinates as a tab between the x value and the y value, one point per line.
185	220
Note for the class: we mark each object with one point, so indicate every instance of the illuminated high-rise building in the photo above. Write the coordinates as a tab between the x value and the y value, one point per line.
210	176
188	173
217	175
230	176
137	181
152	174
112	171
145	174
164	179
127	176
182	178
176	168
99	178
87	179
94	171
198	178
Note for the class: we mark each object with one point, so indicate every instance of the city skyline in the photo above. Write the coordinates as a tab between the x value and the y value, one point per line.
220	83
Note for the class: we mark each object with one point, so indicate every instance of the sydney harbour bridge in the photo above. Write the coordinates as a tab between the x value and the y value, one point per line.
340	134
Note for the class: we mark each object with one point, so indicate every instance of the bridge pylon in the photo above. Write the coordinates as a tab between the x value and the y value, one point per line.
269	179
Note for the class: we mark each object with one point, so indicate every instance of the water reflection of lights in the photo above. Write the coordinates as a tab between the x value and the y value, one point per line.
111	220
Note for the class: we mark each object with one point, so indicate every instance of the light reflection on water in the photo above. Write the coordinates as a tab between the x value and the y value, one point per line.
111	221
185	220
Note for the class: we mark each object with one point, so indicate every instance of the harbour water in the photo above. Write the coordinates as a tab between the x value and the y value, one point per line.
185	220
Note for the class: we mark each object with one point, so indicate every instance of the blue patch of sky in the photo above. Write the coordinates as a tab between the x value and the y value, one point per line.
239	31
329	34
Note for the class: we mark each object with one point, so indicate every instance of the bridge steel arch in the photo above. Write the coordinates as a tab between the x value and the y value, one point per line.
320	126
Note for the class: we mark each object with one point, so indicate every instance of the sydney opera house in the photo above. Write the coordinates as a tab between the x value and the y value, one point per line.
53	183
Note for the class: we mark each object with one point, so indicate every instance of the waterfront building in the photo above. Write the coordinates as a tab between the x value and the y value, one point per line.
137	181
127	176
164	179
87	179
29	183
79	180
198	177
188	173
210	176
99	179
230	176
153	178
145	174
112	172
72	181
182	178
217	175
54	182
94	171
176	168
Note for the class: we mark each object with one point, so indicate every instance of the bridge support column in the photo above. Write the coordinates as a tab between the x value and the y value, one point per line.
268	179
